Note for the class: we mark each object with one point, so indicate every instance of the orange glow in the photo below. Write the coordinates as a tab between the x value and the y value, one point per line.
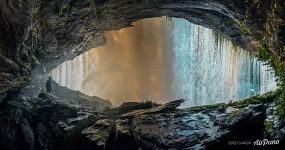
133	65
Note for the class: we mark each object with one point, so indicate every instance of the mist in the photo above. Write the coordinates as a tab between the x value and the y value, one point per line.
160	60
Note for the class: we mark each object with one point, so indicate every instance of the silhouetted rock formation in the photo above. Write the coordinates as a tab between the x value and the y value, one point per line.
37	87
49	123
132	106
36	37
168	107
77	97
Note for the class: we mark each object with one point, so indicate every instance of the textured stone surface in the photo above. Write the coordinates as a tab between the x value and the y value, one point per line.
36	37
32	123
184	130
99	133
36	87
49	123
55	31
274	126
168	107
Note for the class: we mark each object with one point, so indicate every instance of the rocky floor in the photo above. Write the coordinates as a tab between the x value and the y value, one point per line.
51	37
47	122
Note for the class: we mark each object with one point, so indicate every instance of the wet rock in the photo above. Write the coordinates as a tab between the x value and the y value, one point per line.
45	96
73	138
3	96
122	136
80	99
50	123
171	106
123	128
99	133
28	123
44	137
231	109
195	130
36	87
158	131
8	66
49	35
274	126
28	133
132	106
74	126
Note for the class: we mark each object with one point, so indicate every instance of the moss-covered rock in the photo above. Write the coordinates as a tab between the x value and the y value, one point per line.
265	98
255	25
100	132
268	126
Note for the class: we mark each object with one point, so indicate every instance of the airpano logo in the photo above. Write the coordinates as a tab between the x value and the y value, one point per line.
265	142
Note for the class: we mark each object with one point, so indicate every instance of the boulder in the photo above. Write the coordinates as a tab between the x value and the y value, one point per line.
168	107
99	133
195	130
132	106
38	123
231	109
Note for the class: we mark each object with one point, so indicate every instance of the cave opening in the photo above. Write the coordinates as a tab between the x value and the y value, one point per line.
162	59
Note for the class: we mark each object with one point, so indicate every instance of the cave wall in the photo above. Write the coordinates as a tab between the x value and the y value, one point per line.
44	33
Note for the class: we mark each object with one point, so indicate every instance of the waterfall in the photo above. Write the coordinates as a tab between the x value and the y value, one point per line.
163	59
209	69
73	73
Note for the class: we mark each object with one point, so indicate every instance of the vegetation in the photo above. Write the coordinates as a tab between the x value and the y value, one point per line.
274	57
92	3
243	27
237	112
61	9
281	106
13	15
267	97
268	126
270	52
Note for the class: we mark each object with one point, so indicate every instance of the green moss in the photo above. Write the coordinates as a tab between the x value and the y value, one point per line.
237	112
65	8
58	5
103	135
281	106
104	132
268	51
19	3
257	3
268	126
243	27
61	9
204	107
92	3
267	97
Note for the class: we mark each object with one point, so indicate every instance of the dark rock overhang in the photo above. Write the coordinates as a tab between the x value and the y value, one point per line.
59	30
